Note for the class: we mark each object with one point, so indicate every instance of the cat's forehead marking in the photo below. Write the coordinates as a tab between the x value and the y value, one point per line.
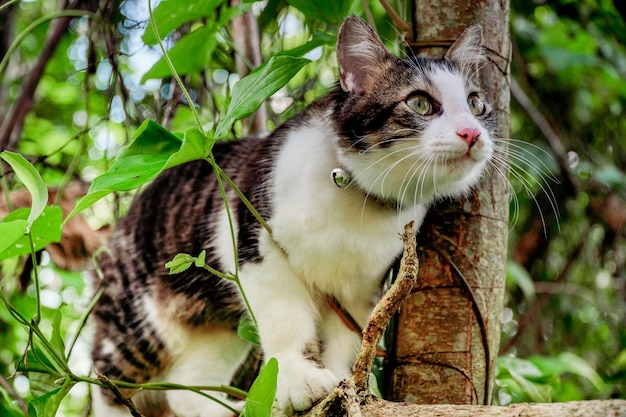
450	85
441	80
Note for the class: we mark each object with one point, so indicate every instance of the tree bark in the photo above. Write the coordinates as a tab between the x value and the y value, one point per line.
448	332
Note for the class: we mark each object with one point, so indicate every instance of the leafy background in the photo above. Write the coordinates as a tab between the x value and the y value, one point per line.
564	336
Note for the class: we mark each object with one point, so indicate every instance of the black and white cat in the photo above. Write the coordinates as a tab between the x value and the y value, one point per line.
397	133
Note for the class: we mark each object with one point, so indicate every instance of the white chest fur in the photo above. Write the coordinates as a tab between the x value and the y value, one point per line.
337	240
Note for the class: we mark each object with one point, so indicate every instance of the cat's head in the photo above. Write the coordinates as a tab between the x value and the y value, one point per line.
410	130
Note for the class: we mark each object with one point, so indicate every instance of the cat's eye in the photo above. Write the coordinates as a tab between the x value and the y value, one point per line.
421	104
476	105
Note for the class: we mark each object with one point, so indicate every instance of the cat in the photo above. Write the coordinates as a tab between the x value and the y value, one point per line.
336	184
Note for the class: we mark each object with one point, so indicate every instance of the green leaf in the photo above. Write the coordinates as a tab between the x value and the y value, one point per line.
521	366
87	200
510	386
251	91
10	233
180	263
549	365
329	11
49	355
153	150
37	361
140	162
201	259
262	392
8	405
190	54
539	393
319	39
171	14
47	405
57	340
42	383
568	362
31	180
578	366
247	330
194	146
46	229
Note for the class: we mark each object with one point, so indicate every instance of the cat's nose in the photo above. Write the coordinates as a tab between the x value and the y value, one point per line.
469	135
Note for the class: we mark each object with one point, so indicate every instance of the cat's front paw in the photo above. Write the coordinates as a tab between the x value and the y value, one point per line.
302	383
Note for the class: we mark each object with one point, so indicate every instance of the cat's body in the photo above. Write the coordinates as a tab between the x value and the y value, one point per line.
402	130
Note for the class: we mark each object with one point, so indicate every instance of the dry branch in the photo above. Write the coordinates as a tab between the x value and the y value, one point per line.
384	311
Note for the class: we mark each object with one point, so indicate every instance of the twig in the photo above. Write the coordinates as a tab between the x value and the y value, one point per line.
341	401
118	394
383	312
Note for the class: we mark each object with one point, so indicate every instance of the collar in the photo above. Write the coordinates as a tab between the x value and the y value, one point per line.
342	178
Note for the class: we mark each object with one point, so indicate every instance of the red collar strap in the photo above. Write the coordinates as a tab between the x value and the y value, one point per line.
348	320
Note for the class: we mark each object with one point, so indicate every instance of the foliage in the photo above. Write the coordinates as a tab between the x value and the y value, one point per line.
107	81
566	283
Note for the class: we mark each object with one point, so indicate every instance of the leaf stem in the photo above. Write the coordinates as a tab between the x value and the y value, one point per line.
33	256
8	4
164	386
84	318
218	176
59	362
170	64
245	200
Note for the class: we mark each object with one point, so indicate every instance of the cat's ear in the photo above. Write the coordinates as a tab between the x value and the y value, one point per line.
360	55
467	50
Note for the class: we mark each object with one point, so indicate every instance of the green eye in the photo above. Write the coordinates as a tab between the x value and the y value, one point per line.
476	105
420	104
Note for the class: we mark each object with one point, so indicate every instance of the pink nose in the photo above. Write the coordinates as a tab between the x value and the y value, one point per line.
469	135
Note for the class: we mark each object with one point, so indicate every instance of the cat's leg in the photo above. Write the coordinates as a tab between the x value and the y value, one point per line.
287	319
208	358
340	343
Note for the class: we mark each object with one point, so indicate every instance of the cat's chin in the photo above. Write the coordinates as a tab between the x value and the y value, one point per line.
458	168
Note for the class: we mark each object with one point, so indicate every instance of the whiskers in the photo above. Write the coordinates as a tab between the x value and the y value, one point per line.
414	161
529	171
415	173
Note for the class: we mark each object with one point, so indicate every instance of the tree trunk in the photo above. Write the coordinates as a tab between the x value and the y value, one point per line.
448	331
